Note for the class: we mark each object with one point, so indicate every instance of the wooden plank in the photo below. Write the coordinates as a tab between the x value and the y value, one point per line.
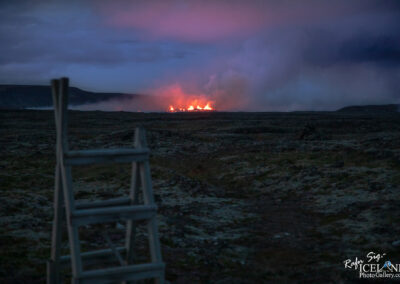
72	230
53	273
134	197
154	241
148	196
112	214
94	257
85	157
63	113
103	203
107	152
131	233
116	274
55	88
62	147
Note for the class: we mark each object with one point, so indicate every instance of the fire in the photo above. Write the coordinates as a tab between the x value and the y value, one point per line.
191	107
174	98
207	107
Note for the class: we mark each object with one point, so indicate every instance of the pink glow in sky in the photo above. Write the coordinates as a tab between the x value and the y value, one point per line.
200	21
194	21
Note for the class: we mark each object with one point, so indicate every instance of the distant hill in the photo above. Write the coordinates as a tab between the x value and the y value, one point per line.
28	96
371	108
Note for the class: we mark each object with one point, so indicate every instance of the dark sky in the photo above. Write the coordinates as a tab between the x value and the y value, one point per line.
243	55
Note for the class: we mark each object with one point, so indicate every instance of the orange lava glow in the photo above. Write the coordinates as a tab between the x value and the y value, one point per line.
194	106
173	98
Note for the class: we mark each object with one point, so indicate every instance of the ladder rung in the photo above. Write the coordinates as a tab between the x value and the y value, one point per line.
84	157
103	203
111	214
93	257
121	273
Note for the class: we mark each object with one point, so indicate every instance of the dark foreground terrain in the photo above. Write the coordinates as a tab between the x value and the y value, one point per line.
243	197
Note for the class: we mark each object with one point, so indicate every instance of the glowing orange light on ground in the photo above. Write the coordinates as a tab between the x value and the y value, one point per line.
191	107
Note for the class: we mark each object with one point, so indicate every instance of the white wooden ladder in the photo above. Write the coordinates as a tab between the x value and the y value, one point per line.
85	213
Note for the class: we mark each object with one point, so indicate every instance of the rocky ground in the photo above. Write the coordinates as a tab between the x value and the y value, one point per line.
243	197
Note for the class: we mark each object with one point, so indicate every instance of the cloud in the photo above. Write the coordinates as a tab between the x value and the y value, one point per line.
192	21
242	55
382	50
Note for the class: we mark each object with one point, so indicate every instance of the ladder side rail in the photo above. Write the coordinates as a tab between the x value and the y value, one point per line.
148	198
134	197
63	114
73	233
53	273
152	228
152	225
